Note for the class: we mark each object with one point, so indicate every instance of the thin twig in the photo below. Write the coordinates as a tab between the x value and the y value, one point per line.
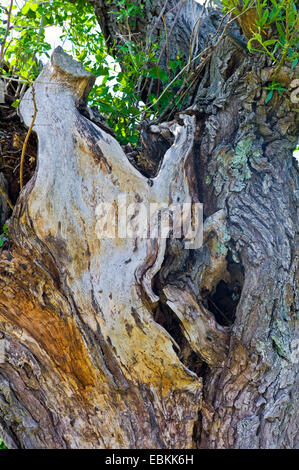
6	33
2	193
181	90
209	49
167	47
220	311
177	6
22	28
194	32
164	45
185	67
156	22
27	136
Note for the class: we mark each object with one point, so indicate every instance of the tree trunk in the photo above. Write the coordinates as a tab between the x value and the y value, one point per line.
115	341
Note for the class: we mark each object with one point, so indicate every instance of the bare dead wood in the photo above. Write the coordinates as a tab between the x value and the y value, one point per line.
88	327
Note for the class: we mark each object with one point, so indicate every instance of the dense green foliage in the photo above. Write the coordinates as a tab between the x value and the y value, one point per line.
118	90
275	32
275	18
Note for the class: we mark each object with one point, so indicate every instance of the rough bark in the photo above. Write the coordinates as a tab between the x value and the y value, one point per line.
185	32
123	343
180	28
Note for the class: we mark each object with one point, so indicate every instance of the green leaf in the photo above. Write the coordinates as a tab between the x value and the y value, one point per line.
265	16
294	63
269	96
15	104
34	6
2	445
291	16
269	42
280	30
249	44
273	14
25	8
157	72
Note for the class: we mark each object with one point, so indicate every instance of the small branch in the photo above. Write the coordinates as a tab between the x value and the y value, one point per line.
6	33
220	311
194	32
164	45
207	52
167	47
27	137
156	22
2	193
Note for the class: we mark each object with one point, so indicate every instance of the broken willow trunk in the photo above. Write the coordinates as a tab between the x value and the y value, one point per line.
142	343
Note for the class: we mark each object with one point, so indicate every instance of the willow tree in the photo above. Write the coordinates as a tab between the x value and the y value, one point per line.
132	342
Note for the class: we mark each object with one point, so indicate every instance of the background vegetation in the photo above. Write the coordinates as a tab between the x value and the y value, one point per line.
272	30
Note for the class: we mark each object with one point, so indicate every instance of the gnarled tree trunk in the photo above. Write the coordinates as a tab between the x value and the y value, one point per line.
131	342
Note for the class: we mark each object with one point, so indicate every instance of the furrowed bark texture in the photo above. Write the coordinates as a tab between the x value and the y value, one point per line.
181	25
125	342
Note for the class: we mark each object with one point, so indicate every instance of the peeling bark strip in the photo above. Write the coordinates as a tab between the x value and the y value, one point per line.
69	301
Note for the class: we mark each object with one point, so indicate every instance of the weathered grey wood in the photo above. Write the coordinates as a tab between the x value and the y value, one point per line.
84	317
